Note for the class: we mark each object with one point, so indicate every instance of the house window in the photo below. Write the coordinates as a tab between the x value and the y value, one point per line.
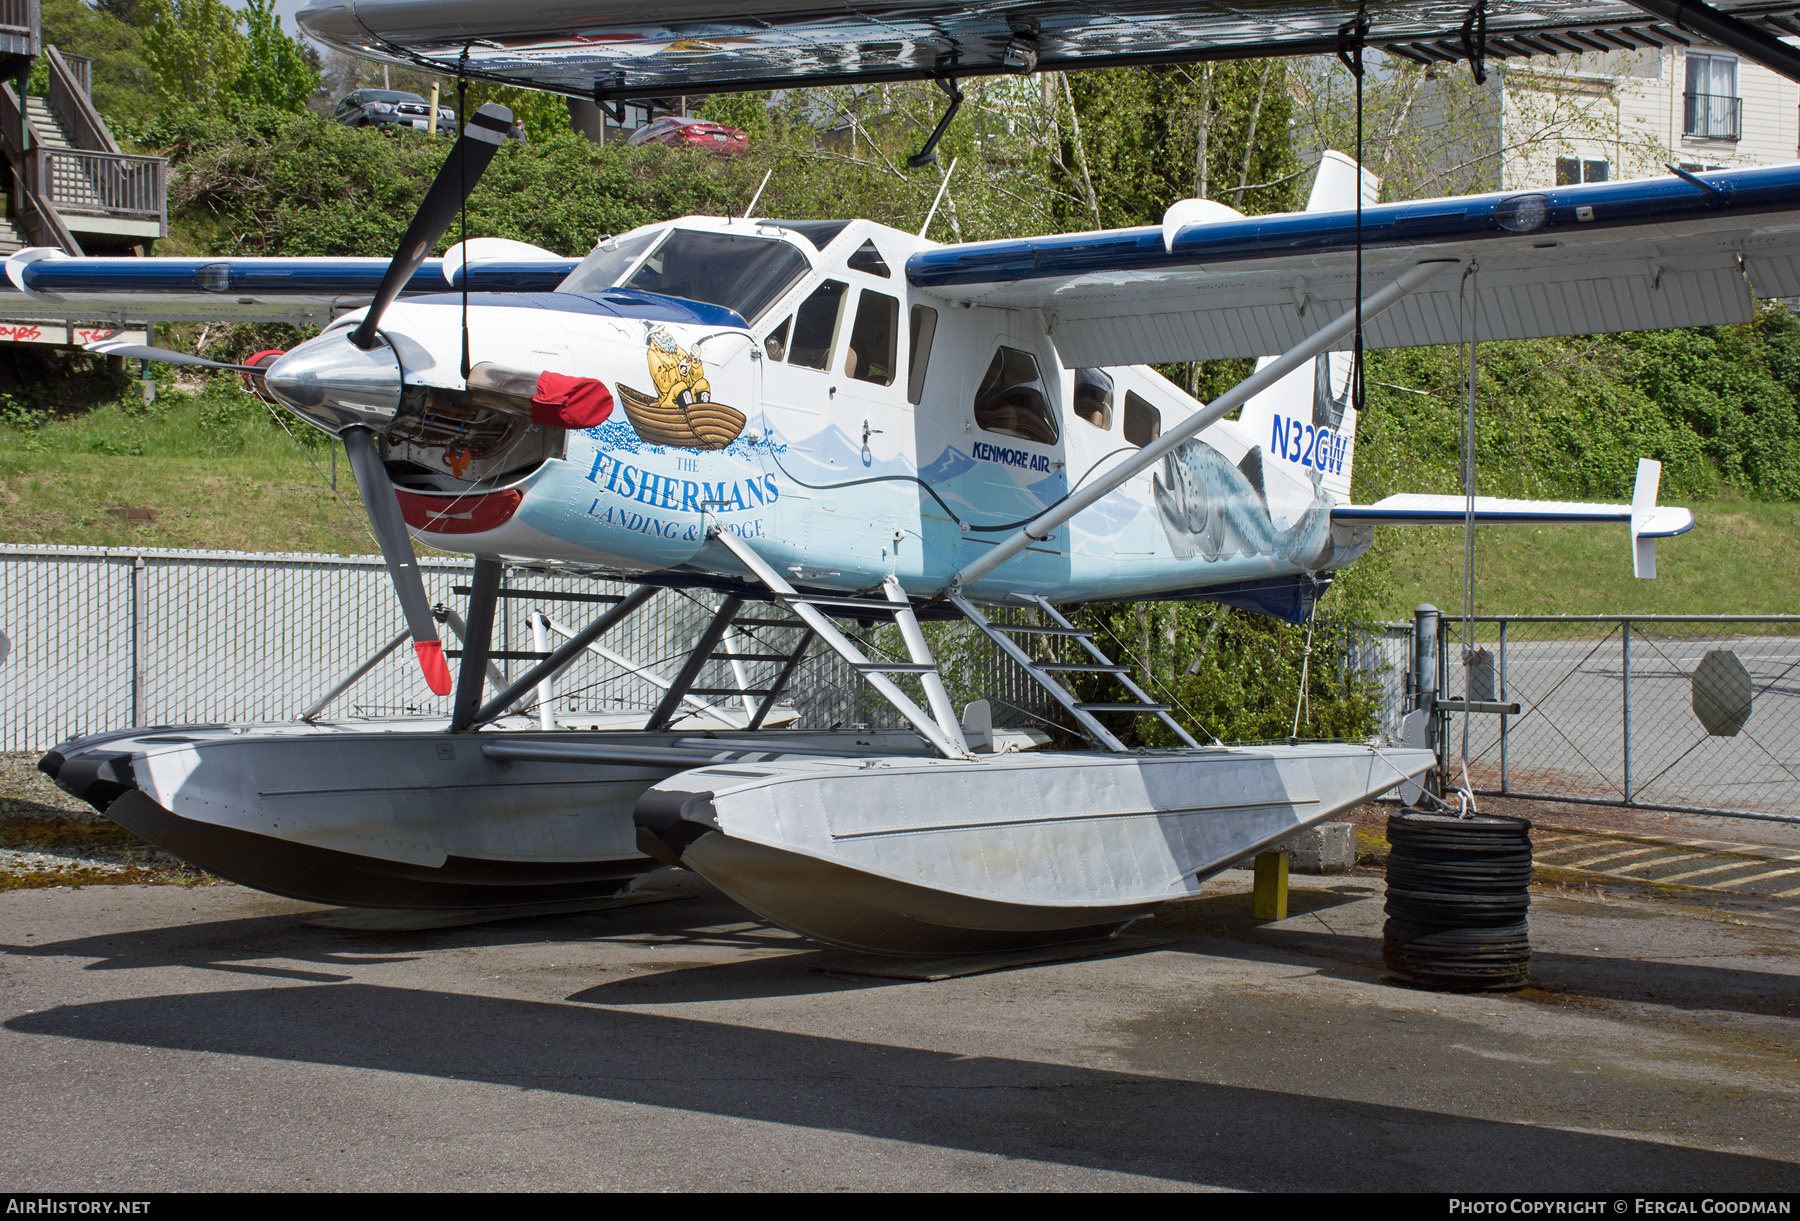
1710	106
1571	171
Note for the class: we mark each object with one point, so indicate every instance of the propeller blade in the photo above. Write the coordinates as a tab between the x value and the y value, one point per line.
462	169
137	351
396	548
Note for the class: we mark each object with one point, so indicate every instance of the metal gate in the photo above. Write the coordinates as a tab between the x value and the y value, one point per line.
1688	713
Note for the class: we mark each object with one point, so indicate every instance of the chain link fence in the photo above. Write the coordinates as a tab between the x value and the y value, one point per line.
1659	712
1662	712
97	639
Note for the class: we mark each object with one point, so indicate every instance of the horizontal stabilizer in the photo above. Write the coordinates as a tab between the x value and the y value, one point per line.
1647	520
1412	509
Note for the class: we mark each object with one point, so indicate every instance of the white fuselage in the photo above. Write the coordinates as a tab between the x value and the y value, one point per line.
860	428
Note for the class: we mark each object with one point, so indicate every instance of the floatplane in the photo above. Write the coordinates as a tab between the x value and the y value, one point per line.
834	420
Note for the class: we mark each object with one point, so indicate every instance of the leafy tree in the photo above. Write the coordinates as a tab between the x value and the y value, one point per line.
1147	137
277	70
748	112
193	50
116	48
128	11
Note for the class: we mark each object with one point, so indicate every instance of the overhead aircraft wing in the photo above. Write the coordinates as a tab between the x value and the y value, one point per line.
48	283
612	50
1603	257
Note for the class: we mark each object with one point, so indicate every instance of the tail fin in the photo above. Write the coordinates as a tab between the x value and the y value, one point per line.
1304	423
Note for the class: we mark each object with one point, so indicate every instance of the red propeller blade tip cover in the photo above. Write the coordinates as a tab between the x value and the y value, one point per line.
431	661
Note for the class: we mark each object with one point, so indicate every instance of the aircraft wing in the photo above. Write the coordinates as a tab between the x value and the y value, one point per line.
1602	257
613	50
50	284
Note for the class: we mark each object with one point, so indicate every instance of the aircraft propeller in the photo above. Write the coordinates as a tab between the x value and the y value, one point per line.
462	169
138	351
311	376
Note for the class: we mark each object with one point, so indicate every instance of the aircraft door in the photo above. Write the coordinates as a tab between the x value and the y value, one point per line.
1017	464
868	398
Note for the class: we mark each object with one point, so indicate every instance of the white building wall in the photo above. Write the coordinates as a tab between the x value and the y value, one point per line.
1628	110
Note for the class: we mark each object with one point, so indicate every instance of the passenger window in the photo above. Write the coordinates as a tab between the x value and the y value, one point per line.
1143	423
776	345
1094	397
870	356
1011	399
868	259
924	329
816	325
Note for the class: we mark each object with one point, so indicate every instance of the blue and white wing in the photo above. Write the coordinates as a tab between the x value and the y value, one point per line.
1602	257
47	283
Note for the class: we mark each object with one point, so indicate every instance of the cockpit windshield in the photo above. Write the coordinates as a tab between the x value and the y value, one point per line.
739	271
607	262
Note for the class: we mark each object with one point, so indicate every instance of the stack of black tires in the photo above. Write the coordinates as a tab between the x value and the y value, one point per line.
1457	894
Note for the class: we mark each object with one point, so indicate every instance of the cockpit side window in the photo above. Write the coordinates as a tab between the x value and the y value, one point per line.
1094	397
868	259
874	338
776	343
608	261
924	329
816	325
1011	399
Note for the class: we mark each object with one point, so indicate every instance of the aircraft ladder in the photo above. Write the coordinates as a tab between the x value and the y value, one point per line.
939	726
1045	672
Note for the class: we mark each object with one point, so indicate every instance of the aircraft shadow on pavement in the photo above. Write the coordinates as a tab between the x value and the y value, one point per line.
246	945
749	978
1132	1123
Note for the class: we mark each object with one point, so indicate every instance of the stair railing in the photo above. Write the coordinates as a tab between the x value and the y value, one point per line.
19	21
70	103
42	220
93	175
43	223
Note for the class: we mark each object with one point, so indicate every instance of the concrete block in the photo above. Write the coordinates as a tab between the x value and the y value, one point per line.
1327	848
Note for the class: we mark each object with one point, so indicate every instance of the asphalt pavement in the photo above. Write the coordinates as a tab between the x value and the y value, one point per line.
199	1038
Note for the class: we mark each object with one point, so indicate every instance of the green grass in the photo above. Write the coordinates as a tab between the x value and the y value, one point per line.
1738	559
220	473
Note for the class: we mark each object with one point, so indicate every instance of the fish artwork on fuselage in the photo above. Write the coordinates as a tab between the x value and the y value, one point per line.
1214	510
681	414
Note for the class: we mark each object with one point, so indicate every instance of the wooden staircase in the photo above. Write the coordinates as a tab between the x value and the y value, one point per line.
12	238
71	183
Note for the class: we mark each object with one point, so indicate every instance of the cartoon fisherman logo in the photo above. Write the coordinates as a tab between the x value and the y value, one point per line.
681	413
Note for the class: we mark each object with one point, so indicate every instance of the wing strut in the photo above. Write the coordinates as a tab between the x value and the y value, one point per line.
1326	337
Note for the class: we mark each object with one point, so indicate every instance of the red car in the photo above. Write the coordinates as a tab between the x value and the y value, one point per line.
679	132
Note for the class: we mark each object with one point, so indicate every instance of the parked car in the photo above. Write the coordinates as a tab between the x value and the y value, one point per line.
678	131
392	108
